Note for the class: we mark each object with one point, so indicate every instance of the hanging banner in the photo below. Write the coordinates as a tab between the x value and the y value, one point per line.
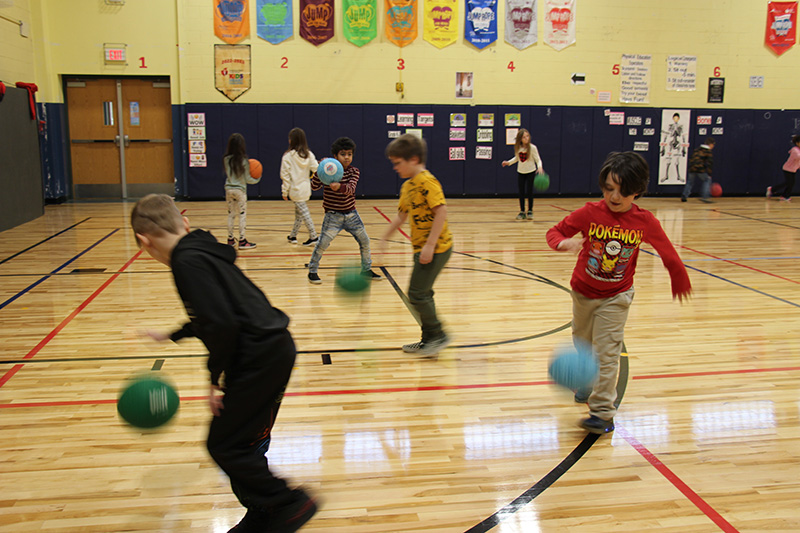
559	23
274	20
316	20
232	69
781	24
674	146
231	20
480	24
521	23
401	21
360	22
441	22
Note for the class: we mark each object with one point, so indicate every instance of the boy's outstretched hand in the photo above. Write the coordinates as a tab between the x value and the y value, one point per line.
155	335
571	245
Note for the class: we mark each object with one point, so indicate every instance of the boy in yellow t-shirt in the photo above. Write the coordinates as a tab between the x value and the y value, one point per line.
422	202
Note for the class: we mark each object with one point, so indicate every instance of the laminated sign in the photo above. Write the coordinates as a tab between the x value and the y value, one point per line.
232	69
231	20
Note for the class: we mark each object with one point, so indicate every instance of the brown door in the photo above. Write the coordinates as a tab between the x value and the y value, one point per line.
121	137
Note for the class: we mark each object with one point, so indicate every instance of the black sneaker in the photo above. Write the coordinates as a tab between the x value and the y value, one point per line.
255	520
683	198
313	277
244	245
232	242
414	347
371	275
529	215
597	425
309	242
431	348
291	517
292	240
521	216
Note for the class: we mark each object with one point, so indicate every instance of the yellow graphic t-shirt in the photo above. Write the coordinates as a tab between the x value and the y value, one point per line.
418	196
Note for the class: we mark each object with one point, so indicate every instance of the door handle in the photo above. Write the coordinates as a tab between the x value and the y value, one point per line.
127	141
116	140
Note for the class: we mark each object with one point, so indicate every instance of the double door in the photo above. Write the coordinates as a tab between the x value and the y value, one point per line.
120	132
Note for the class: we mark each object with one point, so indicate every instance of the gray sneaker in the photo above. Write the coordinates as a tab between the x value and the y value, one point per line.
521	216
414	347
435	346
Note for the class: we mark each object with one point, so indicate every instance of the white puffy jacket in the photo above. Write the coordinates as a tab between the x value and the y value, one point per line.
296	175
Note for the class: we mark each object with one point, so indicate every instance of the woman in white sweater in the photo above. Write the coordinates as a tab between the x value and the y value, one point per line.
297	165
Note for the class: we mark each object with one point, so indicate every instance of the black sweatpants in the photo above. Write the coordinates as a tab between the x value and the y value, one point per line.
525	182
239	437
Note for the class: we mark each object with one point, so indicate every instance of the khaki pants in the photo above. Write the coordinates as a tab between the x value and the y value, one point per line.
601	323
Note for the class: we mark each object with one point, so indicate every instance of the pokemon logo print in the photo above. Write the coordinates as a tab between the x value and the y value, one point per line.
610	251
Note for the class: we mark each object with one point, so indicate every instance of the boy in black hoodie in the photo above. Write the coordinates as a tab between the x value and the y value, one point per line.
248	342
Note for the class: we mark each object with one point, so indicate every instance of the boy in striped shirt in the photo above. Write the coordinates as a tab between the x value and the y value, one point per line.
339	202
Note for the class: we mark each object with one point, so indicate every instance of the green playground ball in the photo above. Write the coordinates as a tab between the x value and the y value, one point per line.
541	182
349	279
147	402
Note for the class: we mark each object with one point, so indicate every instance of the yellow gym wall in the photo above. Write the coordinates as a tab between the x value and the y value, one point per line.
16	51
176	38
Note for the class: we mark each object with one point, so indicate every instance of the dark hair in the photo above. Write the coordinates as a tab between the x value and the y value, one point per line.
342	143
676	115
237	149
407	146
795	139
629	169
710	140
297	142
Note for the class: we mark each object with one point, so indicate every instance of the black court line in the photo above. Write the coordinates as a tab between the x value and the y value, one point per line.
401	294
757	219
9	258
158	364
46	277
569	461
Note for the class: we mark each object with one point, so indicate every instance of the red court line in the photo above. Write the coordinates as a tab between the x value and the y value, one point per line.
739	264
417	389
381	213
692	496
8	375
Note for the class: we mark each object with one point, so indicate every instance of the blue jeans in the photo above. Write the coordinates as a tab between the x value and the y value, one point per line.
705	186
333	223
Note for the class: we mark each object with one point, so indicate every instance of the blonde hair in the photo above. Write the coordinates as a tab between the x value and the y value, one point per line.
407	146
155	214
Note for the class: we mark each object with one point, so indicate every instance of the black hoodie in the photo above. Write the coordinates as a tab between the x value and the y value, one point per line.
228	312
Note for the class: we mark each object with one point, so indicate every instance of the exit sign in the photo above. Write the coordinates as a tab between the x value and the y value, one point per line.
115	53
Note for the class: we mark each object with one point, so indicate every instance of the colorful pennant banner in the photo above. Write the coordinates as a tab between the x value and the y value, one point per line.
274	20
231	20
360	21
401	21
316	20
559	23
521	23
232	69
480	24
441	22
781	26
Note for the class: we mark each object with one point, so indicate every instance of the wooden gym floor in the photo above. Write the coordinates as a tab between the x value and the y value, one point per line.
478	440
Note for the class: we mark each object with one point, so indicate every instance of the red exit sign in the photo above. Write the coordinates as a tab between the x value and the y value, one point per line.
115	54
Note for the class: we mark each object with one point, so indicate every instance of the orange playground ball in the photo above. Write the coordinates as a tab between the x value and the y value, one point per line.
716	189
255	168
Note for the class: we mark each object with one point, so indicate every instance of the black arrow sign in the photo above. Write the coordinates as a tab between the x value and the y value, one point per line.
578	78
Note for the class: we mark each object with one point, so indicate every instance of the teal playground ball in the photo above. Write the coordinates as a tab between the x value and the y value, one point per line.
349	279
330	170
541	182
147	402
573	368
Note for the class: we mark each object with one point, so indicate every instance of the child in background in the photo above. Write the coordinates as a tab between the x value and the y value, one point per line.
339	202
297	165
701	166
526	155
789	172
250	358
237	170
422	202
602	281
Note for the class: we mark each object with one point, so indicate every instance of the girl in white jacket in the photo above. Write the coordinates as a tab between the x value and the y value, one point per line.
297	165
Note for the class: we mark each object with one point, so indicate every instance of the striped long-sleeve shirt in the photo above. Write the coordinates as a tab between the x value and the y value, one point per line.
343	200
